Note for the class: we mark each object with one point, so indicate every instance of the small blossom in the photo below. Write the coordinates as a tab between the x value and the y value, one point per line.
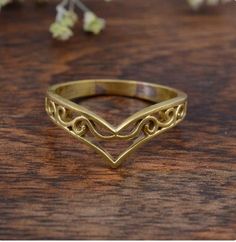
61	28
212	2
69	19
92	23
4	2
196	4
60	31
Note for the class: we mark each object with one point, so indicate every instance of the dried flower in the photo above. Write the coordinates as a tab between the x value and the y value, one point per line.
60	31
196	4
4	2
69	18
65	20
66	17
92	23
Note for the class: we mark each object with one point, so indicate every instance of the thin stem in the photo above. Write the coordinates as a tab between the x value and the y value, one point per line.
71	6
61	9
63	3
81	6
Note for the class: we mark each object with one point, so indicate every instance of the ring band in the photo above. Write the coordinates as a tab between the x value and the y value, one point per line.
169	109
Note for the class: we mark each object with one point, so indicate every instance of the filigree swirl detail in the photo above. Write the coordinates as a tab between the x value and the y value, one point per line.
79	125
149	125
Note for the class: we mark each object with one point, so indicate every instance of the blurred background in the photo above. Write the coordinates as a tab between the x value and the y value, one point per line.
180	185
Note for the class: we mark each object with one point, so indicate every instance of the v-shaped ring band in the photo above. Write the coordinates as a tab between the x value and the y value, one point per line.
169	109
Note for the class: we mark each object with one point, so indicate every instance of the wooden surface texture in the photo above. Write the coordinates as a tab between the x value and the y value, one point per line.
181	185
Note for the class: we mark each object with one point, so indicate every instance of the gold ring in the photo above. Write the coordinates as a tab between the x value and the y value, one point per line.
169	109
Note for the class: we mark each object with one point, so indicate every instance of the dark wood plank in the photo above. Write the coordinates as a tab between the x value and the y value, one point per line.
181	185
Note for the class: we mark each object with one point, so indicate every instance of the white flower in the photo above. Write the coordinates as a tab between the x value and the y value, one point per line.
92	23
196	4
60	31
212	2
4	2
61	28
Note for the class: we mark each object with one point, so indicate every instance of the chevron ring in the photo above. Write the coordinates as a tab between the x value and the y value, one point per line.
168	109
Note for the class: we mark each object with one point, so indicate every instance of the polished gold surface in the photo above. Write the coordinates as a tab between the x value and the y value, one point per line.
169	109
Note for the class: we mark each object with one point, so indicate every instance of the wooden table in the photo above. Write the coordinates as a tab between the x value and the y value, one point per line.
181	185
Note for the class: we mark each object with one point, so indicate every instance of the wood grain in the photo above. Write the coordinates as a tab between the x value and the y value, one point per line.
181	185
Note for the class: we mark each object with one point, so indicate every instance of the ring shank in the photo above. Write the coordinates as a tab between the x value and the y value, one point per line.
142	90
